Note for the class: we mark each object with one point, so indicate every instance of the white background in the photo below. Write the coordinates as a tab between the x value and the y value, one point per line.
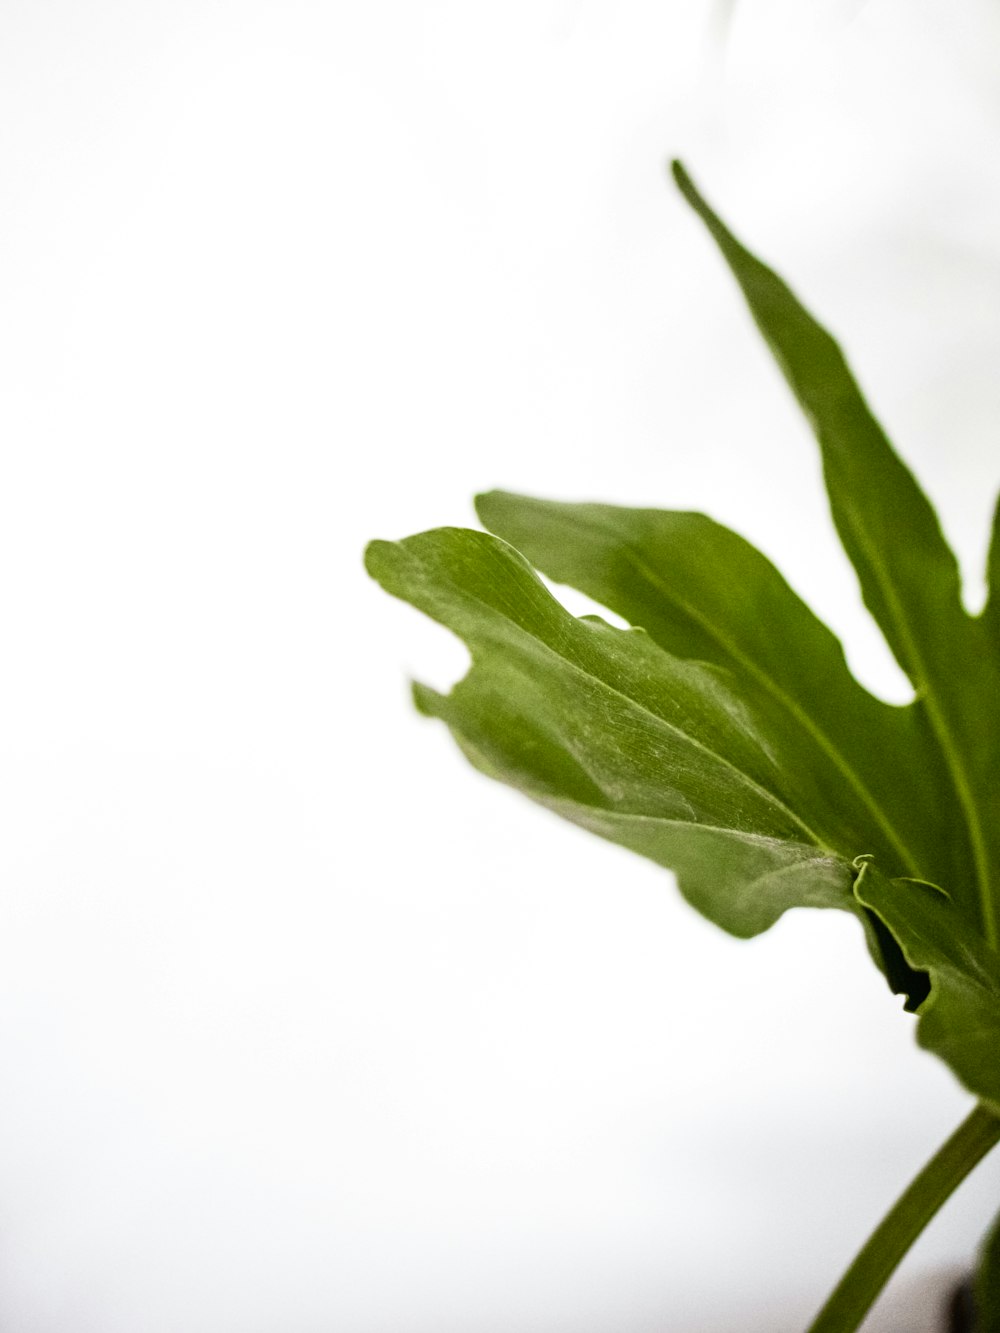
303	1025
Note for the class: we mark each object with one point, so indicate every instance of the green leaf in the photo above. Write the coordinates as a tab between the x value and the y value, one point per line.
724	737
703	592
960	1018
607	729
909	577
908	574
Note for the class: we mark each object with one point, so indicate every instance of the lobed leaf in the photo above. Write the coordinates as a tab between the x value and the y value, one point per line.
623	738
703	592
723	736
909	577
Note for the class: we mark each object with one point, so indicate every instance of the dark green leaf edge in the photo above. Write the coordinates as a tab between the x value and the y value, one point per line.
960	1018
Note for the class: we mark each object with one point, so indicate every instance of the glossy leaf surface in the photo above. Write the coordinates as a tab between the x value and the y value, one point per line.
703	592
612	732
724	736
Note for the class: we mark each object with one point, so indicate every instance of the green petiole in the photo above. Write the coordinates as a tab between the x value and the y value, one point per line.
861	1285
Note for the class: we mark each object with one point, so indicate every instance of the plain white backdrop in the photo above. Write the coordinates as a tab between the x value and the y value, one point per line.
303	1025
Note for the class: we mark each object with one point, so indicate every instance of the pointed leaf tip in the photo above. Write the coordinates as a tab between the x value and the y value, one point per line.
687	187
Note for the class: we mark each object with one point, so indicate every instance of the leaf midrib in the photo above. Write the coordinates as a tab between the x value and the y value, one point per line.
780	695
744	778
744	835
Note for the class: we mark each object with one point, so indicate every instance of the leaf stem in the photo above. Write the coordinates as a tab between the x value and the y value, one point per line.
860	1286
